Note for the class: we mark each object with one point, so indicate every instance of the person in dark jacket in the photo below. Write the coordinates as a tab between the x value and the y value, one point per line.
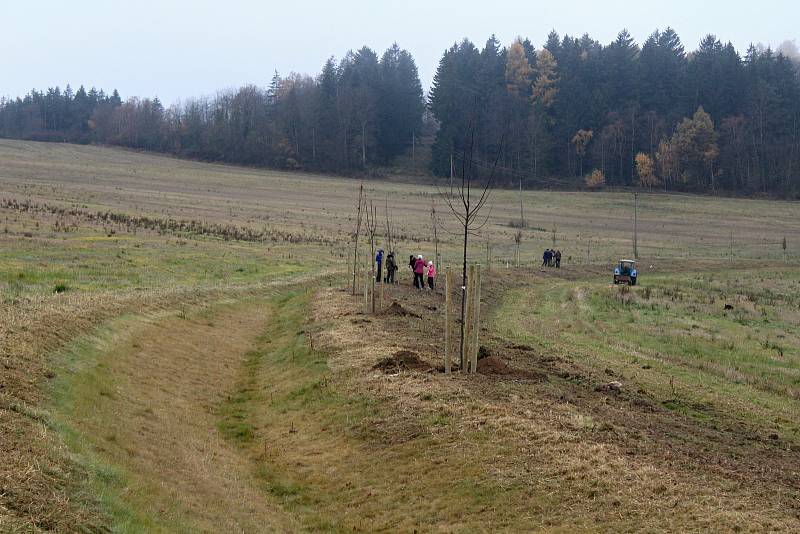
546	257
558	259
379	262
411	261
391	267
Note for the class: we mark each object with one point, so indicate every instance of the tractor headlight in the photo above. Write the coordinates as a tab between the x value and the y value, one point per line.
616	271
633	272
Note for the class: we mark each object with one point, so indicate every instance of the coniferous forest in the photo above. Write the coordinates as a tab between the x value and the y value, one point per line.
573	113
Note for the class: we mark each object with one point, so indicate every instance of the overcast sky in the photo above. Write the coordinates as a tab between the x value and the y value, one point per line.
178	48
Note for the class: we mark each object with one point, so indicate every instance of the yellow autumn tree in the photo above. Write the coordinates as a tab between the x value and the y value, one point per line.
545	87
518	69
596	179
646	170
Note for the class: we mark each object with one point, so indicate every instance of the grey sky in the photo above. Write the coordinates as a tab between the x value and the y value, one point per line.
174	49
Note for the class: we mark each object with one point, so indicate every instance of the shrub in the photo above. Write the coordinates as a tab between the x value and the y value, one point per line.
596	179
60	288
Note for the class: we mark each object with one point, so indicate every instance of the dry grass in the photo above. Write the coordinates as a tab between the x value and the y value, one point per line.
146	410
347	447
142	184
540	463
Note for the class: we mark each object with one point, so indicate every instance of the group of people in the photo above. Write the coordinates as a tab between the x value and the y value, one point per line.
551	258
421	268
418	265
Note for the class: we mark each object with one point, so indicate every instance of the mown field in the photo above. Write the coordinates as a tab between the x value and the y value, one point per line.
178	356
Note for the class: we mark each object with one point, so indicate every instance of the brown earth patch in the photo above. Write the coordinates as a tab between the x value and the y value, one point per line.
403	360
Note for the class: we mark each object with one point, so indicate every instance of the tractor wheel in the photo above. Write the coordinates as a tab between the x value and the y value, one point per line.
633	281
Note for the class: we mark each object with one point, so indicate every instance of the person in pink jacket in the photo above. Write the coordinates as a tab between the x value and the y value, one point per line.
419	270
431	274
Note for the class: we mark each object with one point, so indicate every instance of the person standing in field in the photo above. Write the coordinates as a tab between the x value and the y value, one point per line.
558	259
546	258
391	267
379	262
419	270
411	261
431	274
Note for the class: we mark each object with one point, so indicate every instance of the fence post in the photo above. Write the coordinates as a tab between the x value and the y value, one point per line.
476	319
380	305
470	319
366	292
467	321
448	288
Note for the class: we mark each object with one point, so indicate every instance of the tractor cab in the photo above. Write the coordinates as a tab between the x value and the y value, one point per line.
625	272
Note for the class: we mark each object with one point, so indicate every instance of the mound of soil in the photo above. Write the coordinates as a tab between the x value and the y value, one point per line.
492	365
403	360
397	310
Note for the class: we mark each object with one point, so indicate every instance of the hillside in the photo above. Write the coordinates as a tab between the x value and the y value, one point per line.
181	352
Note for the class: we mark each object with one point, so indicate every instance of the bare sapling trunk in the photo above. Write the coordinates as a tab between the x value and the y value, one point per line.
466	206
359	218
372	228
435	225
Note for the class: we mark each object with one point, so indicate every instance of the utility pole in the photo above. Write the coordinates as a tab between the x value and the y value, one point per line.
635	226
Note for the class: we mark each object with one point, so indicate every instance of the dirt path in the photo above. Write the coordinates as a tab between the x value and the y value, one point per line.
148	408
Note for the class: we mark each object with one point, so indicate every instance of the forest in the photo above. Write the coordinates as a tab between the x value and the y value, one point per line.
571	114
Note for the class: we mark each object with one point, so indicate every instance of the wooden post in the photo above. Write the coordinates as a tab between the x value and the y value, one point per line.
448	288
476	319
465	351
366	292
380	305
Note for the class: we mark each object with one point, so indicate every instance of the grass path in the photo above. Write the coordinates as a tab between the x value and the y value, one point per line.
140	409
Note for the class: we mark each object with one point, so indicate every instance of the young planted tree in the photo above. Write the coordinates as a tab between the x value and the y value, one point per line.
435	226
372	231
359	218
389	228
466	201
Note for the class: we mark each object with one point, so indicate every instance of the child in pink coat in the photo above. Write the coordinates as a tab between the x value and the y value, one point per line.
431	274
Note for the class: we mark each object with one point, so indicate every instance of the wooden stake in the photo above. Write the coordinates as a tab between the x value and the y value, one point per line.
467	319
470	319
380	308
476	319
448	288
366	292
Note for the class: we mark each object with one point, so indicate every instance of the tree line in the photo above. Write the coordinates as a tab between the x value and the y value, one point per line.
359	112
576	112
573	113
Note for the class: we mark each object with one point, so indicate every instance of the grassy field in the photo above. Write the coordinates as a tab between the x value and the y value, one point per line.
178	355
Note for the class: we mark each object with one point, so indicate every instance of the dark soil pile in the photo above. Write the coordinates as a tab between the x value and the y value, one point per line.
396	309
403	360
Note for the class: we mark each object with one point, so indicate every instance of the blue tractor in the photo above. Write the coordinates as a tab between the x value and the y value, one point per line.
625	272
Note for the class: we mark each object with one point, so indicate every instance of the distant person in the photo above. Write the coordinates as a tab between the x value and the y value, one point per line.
558	259
411	262
391	267
546	257
431	274
379	262
419	270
